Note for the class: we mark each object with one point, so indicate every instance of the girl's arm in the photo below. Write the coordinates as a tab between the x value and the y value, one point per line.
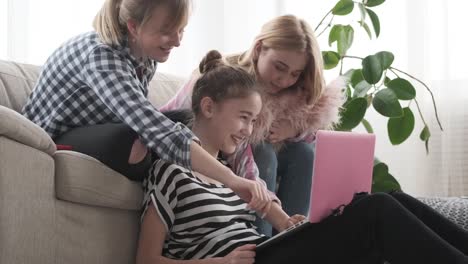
151	242
243	164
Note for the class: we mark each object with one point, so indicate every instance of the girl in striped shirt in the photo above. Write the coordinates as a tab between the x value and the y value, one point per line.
190	218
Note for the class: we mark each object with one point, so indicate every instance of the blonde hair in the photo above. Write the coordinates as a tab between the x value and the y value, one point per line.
111	21
289	33
221	81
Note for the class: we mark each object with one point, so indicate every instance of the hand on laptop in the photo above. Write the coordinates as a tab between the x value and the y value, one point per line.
295	219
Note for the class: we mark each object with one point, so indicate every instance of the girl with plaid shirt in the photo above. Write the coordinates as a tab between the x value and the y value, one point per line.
92	95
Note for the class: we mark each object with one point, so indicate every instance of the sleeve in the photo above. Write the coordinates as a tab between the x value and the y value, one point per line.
161	192
183	98
115	85
243	164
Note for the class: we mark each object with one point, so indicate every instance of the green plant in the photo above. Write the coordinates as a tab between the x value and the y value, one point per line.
377	83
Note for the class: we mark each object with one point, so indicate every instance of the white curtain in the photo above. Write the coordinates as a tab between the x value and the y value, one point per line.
426	37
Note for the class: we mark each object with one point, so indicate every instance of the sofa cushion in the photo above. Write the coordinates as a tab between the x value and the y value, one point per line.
18	128
163	87
16	83
82	179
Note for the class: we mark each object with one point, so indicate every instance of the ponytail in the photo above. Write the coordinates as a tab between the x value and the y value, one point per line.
107	23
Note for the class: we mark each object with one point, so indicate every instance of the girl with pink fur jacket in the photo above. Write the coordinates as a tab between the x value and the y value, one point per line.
286	60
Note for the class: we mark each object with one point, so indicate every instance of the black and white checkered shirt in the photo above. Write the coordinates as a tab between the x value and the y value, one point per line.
87	82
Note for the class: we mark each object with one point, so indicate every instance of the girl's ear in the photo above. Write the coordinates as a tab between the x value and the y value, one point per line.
257	49
132	28
207	107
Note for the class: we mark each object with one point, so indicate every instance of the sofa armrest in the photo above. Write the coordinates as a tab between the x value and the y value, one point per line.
18	128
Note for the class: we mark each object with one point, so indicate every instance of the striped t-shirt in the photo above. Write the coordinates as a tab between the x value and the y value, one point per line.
202	219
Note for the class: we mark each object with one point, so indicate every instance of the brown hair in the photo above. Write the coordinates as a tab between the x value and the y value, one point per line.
221	81
111	21
289	33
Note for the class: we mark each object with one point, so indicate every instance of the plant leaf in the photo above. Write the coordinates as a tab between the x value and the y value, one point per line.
356	77
425	133
372	69
345	39
367	29
386	103
360	90
367	126
334	34
362	10
343	7
352	114
403	89
400	128
330	59
371	3
386	59
382	181
375	21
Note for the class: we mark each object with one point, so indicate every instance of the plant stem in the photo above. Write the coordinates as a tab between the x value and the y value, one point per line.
420	113
427	88
321	21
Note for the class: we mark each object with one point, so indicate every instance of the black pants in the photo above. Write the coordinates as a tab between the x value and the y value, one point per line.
394	227
112	143
109	143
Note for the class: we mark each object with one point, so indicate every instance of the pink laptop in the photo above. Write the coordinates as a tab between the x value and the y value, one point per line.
342	167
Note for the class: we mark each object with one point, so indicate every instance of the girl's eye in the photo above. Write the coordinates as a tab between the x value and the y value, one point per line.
280	68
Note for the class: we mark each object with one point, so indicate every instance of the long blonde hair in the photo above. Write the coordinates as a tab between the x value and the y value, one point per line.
111	21
289	33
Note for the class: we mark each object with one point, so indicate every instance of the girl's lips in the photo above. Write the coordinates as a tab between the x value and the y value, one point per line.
236	140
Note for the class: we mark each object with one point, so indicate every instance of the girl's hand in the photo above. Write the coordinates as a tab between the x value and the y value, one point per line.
292	221
281	130
242	255
253	192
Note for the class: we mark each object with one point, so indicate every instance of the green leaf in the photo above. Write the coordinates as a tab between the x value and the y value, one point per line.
343	35
400	128
367	29
346	39
334	34
372	69
356	77
386	59
371	3
330	59
386	103
367	126
375	21
352	114
343	7
360	90
382	181
362	10
425	134
403	89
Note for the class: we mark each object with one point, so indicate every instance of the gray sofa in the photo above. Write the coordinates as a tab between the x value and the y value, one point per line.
61	206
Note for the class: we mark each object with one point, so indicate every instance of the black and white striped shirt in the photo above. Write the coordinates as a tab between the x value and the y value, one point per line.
86	82
202	219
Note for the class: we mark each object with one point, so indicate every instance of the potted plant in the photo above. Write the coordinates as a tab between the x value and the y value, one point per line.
377	83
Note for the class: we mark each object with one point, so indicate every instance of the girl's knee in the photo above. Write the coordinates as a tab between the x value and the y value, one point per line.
265	153
138	152
303	150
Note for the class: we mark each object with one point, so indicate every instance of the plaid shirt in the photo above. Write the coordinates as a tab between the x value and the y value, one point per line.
87	82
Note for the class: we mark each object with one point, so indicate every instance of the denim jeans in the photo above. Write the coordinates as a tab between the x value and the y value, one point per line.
288	173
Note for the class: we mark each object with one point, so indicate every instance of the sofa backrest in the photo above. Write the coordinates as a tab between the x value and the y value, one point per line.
17	81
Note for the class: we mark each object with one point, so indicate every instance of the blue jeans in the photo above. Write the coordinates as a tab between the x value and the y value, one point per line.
291	170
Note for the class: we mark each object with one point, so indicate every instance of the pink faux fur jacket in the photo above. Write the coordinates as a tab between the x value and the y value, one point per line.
291	106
